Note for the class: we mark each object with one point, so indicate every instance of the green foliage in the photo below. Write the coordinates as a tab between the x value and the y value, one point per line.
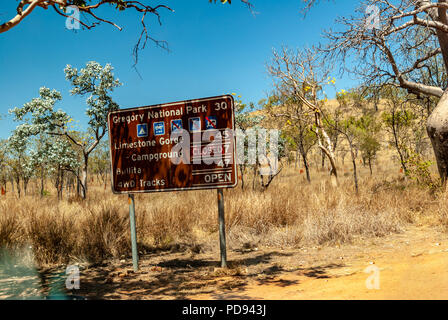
243	117
39	117
56	154
399	118
367	130
418	170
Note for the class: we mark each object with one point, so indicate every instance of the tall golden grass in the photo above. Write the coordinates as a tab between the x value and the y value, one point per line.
290	213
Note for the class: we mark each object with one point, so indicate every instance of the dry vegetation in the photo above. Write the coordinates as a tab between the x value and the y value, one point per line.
291	213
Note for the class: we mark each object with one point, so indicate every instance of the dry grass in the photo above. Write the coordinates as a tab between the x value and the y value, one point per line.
291	213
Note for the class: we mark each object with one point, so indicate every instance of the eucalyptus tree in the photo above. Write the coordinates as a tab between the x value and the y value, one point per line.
39	115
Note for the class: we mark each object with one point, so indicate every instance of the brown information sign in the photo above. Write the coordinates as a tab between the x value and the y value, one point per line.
184	145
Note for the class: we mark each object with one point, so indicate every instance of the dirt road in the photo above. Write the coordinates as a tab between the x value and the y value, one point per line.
411	265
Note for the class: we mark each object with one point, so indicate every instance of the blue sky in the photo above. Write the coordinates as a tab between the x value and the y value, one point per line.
214	49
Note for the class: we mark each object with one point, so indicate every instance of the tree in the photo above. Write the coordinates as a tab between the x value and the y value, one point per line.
61	157
297	121
100	162
97	83
342	122
408	47
53	156
3	164
367	135
244	121
301	76
398	120
19	161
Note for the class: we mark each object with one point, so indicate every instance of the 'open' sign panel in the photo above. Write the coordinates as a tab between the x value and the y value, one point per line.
184	145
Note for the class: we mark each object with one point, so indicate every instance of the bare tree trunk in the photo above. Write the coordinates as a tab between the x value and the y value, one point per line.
355	175
18	186
437	128
78	187
307	169
327	148
57	182
305	162
25	186
42	182
61	187
397	144
255	175
83	180
242	176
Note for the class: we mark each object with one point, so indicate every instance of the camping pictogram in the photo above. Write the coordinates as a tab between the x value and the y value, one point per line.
142	130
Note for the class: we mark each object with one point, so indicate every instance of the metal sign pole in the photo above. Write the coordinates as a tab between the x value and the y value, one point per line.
133	231
222	229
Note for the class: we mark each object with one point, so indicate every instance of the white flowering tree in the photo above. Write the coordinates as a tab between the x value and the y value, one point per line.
39	115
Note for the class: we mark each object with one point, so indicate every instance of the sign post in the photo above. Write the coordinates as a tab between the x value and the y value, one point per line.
222	229
133	231
185	145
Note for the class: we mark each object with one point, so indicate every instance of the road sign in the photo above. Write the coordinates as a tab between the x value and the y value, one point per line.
148	153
